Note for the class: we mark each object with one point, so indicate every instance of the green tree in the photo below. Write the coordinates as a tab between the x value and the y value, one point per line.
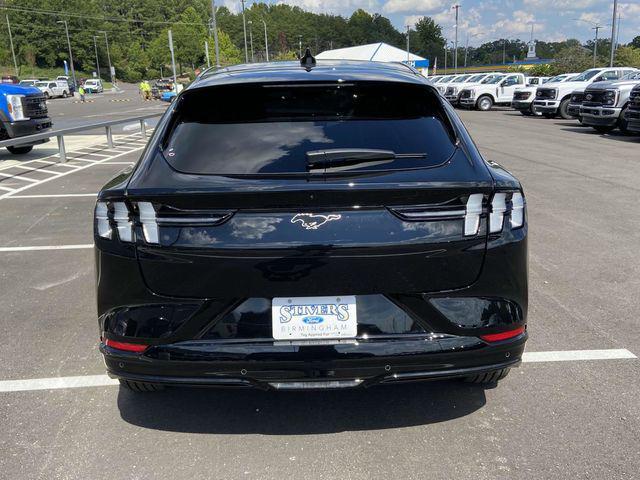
428	39
188	38
635	42
627	57
573	59
229	53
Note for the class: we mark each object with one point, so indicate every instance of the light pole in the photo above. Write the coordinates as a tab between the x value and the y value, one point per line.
613	32
596	27
456	7
300	46
73	70
244	26
466	48
13	52
95	44
504	51
251	38
446	46
106	40
214	27
408	30
266	41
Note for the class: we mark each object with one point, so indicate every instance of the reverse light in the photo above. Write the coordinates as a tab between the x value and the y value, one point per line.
497	337
149	223
102	220
127	347
472	215
517	210
498	209
123	222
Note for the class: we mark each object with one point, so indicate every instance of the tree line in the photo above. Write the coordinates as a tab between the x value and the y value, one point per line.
137	35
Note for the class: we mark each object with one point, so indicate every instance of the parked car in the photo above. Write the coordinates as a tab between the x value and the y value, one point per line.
23	111
93	85
168	96
605	103
69	80
54	88
28	82
632	113
161	86
535	81
496	90
441	86
338	229
453	89
9	79
553	98
523	97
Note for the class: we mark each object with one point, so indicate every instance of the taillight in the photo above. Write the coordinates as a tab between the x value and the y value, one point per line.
123	217
473	213
110	216
503	204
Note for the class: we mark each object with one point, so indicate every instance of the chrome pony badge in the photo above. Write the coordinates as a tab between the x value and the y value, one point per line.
312	221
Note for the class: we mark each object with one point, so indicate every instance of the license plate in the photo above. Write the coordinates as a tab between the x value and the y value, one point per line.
300	318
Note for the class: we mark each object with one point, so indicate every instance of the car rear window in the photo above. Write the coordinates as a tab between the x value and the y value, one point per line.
268	129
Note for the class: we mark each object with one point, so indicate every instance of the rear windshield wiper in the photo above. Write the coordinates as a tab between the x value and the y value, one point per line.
343	158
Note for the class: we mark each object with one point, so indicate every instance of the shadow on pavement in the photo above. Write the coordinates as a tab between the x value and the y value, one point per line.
299	413
614	135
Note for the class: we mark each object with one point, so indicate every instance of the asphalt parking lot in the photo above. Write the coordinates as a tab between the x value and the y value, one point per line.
570	411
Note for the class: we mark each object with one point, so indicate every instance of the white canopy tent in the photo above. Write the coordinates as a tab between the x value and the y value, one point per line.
377	52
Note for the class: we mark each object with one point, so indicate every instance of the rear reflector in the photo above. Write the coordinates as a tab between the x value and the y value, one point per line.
127	347
496	337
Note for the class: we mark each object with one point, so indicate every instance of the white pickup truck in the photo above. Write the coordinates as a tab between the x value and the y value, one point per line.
493	90
523	97
553	98
453	89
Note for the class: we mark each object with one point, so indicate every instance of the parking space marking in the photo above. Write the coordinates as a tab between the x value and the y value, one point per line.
56	383
83	381
19	177
89	163
37	169
46	247
573	355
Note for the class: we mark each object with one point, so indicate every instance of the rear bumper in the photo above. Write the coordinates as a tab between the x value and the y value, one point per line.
269	365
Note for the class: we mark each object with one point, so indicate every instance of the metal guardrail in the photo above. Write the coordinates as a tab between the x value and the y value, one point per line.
60	134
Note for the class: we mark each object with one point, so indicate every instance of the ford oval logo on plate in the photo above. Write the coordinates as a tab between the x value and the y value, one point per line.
312	320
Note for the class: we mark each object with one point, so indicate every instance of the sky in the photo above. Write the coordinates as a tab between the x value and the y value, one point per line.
487	20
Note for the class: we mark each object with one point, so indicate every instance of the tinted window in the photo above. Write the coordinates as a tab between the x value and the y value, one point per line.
270	128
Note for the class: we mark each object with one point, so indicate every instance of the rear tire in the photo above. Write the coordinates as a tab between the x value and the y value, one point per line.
484	103
20	150
562	110
141	387
489	378
65	94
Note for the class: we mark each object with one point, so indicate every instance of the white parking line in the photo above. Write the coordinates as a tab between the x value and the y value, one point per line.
82	381
56	383
573	355
46	247
36	169
19	177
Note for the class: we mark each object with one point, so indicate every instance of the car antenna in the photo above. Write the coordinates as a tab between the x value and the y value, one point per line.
308	61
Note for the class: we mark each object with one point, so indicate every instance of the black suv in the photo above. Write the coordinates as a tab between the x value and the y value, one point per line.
310	225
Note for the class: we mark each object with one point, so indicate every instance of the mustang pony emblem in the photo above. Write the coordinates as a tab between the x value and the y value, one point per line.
311	221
